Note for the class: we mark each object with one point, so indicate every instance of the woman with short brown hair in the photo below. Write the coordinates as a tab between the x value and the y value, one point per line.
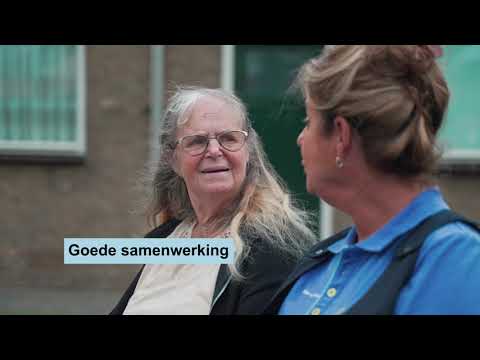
369	149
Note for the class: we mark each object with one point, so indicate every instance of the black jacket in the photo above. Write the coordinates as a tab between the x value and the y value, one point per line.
265	269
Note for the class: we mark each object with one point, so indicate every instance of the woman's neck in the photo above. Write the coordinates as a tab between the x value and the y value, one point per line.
207	212
207	231
372	202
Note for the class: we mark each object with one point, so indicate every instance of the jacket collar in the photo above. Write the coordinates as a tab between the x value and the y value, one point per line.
223	279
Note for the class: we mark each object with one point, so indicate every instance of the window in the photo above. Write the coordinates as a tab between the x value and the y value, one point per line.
460	135
42	100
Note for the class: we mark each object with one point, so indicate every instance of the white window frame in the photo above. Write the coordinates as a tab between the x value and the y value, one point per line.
326	218
459	157
77	148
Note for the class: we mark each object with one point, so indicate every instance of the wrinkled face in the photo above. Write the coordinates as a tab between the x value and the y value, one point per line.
318	151
217	172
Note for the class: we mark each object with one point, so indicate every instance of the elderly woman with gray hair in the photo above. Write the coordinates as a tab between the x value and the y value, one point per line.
213	180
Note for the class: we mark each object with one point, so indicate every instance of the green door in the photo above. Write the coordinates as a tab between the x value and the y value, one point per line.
263	76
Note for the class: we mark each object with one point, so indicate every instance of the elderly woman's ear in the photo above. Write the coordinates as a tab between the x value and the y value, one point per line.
174	163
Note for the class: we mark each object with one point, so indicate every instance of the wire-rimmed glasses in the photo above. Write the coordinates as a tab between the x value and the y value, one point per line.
195	145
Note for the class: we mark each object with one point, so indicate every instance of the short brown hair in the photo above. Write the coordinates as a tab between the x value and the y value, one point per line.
395	96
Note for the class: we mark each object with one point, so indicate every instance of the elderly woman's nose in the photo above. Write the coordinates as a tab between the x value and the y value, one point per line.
214	147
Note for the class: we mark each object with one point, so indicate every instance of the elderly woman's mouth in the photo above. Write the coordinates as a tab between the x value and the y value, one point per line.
215	170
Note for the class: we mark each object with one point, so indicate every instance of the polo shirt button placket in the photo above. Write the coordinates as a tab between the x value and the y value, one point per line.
331	292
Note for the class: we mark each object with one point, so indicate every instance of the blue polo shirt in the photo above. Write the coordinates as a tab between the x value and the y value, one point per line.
446	279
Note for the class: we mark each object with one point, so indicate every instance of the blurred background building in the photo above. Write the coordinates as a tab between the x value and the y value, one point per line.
79	124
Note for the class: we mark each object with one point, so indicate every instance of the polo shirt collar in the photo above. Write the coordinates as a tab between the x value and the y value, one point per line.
423	206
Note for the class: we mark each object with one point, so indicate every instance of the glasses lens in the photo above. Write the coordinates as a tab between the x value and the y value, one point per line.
232	140
195	144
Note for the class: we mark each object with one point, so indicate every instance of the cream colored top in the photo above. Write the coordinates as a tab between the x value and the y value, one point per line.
165	289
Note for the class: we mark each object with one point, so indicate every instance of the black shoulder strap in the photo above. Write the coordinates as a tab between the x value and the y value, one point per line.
322	246
315	256
382	296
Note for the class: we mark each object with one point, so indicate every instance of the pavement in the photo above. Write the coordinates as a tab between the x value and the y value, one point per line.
35	301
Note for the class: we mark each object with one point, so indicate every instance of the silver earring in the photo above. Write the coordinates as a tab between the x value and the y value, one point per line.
339	162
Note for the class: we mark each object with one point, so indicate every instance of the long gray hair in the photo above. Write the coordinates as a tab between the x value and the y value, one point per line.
263	209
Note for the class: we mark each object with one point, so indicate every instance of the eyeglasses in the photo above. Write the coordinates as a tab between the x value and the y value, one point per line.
195	145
